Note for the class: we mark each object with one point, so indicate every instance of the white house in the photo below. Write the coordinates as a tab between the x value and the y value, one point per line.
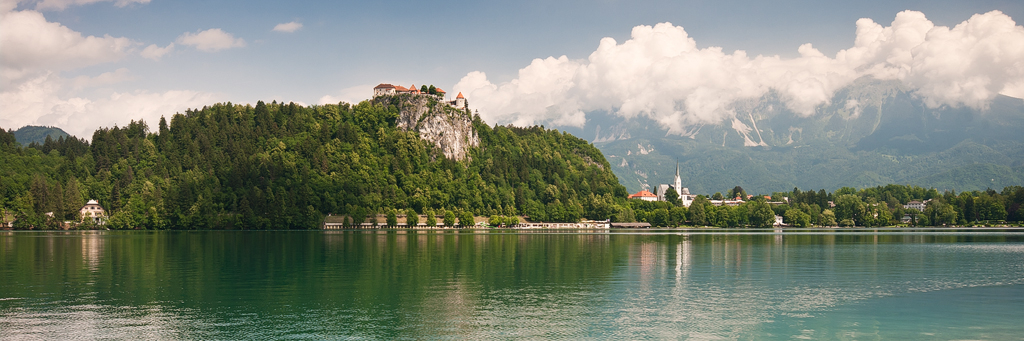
93	211
644	195
917	205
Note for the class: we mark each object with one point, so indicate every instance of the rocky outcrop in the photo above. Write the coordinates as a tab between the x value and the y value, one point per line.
450	129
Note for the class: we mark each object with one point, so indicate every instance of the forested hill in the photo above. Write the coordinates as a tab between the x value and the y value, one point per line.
35	134
273	166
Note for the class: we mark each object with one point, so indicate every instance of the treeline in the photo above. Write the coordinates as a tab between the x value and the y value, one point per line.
756	213
876	206
285	166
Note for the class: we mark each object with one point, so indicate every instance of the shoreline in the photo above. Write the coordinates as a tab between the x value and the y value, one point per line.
716	230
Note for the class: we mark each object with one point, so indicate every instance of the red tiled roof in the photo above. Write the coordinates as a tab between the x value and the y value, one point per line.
439	90
641	194
384	86
460	95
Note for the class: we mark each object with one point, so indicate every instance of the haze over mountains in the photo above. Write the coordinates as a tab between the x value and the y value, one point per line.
873	133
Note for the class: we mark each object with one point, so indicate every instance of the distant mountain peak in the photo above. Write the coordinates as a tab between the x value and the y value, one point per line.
28	134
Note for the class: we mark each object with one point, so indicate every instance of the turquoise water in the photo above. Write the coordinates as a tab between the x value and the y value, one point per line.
502	284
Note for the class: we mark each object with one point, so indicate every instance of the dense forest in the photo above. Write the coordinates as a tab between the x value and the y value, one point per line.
284	166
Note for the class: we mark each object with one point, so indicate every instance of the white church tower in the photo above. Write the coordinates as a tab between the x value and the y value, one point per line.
679	182
684	193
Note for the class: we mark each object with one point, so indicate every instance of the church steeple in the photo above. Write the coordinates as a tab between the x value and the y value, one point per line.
678	181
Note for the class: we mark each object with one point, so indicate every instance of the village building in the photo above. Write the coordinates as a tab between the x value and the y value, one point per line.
631	225
595	224
644	195
917	205
93	212
727	202
661	190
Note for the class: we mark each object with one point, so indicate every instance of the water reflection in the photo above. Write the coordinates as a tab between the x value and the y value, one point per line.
399	284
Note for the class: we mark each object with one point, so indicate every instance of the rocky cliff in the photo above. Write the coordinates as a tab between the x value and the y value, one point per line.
450	129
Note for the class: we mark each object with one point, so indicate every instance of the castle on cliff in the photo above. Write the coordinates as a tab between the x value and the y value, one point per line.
385	89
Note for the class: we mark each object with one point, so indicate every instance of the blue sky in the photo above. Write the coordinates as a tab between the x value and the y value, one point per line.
342	48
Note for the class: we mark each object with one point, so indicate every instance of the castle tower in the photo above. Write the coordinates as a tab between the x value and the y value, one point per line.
460	101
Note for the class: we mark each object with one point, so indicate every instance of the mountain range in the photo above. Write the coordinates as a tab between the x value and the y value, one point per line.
870	133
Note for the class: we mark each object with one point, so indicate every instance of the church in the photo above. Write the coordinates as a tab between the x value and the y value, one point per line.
677	185
662	190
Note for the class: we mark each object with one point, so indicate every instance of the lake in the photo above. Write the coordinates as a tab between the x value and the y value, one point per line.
506	284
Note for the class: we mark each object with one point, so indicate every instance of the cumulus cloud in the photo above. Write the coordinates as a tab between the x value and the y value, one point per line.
45	100
30	44
33	54
155	52
211	40
661	73
288	27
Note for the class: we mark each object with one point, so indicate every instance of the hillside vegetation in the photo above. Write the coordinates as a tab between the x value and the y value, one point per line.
282	166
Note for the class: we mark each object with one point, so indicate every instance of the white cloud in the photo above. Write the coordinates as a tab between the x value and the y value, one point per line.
62	4
288	27
211	40
661	73
8	5
106	78
155	52
1014	89
46	101
352	95
969	63
32	45
33	53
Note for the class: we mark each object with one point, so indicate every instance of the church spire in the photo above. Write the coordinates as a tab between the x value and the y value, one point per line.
678	181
